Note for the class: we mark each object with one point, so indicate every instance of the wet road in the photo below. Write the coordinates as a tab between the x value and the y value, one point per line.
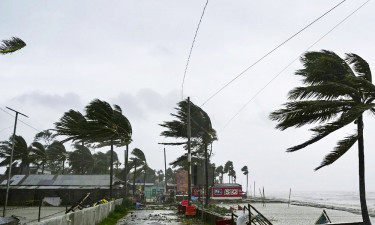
154	217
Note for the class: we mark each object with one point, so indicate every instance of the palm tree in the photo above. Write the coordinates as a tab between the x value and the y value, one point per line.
220	170
81	160
202	133
101	163
57	156
108	127
139	159
11	45
228	168
245	171
22	153
39	154
337	93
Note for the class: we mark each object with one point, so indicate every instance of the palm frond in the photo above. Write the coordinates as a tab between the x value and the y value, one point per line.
12	45
299	113
324	91
342	147
324	130
361	67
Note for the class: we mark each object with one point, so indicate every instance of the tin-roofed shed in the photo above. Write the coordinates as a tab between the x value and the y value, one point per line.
69	188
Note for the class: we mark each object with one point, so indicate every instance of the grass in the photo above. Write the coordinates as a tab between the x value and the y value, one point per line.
120	212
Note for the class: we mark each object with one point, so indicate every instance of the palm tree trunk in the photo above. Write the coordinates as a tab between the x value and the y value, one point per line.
43	168
111	172
63	166
361	159
135	171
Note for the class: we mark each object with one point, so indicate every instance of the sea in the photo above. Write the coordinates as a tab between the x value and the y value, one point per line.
341	200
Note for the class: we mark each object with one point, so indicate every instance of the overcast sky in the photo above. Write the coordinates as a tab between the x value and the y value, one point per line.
133	53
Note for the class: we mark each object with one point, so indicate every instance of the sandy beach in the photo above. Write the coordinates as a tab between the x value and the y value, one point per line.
281	214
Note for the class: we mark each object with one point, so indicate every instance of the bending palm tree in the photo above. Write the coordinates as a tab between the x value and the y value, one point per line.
56	153
139	159
109	127
39	154
12	45
246	173
22	153
202	133
337	93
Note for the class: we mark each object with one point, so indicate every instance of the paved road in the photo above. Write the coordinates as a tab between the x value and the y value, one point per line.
154	217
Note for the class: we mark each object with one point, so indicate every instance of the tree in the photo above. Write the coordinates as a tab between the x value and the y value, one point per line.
11	45
202	133
108	127
56	157
22	153
81	160
245	171
101	124
337	93
139	159
171	175
101	163
228	168
220	170
39	154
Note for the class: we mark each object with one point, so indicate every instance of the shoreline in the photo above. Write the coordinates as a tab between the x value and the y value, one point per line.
331	206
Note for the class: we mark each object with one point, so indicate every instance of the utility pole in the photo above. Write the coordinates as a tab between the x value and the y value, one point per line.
110	172
126	170
189	153
11	157
165	173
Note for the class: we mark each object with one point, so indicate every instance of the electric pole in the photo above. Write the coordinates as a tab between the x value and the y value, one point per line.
165	173
189	153
11	157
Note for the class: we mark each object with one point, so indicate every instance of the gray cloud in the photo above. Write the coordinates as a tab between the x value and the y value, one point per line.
50	101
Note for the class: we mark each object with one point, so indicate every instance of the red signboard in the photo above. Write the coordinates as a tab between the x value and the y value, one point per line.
182	181
191	210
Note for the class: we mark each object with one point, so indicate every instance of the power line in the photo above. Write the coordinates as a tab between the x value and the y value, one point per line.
191	49
274	49
21	120
274	78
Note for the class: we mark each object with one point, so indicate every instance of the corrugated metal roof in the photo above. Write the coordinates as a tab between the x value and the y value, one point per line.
13	180
62	180
35	179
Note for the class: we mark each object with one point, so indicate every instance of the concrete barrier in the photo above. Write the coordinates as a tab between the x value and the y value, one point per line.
88	216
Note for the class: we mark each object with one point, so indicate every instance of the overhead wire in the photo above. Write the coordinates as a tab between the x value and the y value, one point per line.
191	50
21	120
270	52
295	59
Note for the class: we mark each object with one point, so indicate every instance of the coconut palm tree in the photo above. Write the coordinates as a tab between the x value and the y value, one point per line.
57	156
337	92
39	154
22	153
138	159
202	133
81	160
220	170
108	127
228	168
11	45
245	171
